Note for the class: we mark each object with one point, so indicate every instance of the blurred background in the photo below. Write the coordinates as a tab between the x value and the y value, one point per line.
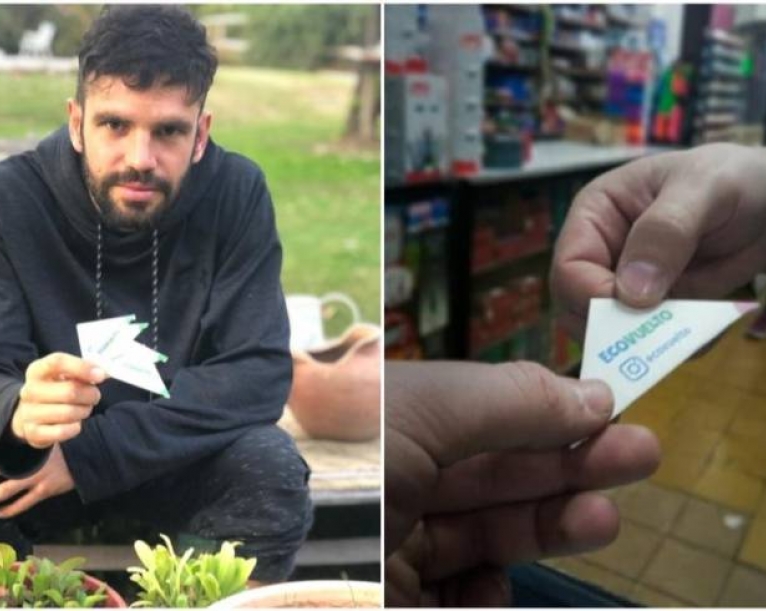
298	92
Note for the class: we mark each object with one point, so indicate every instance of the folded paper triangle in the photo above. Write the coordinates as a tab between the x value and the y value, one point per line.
110	344
632	350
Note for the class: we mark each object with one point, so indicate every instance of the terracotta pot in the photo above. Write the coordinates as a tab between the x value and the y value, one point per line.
307	594
113	599
336	388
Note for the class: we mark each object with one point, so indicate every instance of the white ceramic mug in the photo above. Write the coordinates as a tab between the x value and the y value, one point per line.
305	313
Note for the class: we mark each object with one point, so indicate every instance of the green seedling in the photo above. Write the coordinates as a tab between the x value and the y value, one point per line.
187	581
39	583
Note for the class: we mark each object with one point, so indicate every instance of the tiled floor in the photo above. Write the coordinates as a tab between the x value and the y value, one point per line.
695	533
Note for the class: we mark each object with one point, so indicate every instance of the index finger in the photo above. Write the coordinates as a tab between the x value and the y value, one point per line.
456	410
60	364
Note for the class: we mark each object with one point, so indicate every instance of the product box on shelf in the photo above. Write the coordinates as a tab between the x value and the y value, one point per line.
507	233
502	312
456	52
416	128
416	279
405	41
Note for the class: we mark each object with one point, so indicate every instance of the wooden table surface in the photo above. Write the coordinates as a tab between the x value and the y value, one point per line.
342	472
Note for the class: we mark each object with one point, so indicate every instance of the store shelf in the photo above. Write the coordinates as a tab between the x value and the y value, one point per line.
421	188
523	9
570	22
493	343
581	73
498	64
625	22
521	37
562	47
501	263
552	158
501	105
722	37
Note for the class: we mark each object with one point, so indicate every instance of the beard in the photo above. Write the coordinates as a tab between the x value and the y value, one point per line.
115	217
127	218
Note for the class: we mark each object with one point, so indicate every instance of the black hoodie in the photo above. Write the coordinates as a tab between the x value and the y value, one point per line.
222	317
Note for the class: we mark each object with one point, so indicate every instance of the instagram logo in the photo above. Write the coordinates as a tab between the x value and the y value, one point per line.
634	368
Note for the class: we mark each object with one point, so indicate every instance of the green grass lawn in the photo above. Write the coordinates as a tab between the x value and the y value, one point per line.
327	200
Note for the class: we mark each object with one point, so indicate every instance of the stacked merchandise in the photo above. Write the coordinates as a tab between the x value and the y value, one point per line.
512	77
599	73
416	279
456	52
404	40
415	109
721	87
752	129
670	108
507	318
505	234
629	74
510	314
506	321
575	70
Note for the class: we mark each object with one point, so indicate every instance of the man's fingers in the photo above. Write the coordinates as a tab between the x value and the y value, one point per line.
60	365
575	283
20	505
11	487
46	414
592	238
43	436
622	454
480	587
658	248
717	277
457	410
520	532
69	392
403	586
663	240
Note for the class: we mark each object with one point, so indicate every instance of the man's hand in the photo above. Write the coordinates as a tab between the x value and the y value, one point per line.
480	475
53	479
684	224
58	394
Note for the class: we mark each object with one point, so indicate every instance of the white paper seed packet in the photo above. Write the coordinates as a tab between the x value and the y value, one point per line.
110	344
632	350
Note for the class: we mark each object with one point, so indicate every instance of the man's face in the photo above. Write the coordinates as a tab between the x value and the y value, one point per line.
137	147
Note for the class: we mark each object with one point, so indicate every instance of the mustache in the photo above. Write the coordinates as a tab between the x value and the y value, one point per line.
135	176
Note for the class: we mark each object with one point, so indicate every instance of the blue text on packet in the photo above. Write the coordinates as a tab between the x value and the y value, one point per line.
630	339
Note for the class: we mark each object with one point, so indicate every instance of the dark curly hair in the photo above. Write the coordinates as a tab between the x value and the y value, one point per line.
148	45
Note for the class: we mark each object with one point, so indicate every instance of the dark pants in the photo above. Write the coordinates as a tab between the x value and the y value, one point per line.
255	491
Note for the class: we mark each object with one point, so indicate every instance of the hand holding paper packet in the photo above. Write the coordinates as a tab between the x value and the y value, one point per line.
110	344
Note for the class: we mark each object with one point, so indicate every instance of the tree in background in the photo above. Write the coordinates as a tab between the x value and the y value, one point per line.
363	120
293	36
279	36
301	36
71	21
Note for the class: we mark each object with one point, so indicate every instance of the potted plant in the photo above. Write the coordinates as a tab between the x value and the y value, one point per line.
327	594
168	580
38	582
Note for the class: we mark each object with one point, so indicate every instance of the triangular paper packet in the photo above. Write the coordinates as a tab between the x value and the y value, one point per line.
632	350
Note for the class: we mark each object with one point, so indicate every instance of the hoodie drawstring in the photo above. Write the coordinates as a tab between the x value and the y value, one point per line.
155	281
155	289
99	271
